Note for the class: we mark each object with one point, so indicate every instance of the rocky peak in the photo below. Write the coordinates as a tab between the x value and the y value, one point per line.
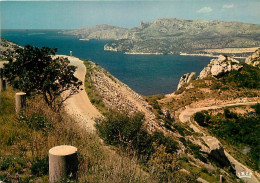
186	78
220	66
254	59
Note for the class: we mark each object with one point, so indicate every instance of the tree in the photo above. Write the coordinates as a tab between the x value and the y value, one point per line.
200	118
36	71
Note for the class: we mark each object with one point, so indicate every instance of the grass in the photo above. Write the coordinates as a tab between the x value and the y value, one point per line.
93	94
153	101
26	139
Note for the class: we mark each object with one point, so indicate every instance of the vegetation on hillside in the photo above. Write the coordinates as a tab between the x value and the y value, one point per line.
248	77
173	35
26	139
233	85
94	96
35	71
240	131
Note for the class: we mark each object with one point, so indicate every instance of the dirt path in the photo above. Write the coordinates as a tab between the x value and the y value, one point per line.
79	104
185	117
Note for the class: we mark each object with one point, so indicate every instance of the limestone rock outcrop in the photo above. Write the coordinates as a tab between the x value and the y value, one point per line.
254	59
215	150
186	78
220	66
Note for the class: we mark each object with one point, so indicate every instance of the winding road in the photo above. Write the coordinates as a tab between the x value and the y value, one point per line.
239	167
79	105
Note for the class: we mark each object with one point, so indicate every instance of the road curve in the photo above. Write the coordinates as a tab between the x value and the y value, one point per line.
185	116
79	106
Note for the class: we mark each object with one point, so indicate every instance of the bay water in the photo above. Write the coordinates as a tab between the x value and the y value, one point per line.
145	74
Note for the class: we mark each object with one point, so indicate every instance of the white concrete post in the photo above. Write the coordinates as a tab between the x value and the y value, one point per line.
63	163
20	101
220	178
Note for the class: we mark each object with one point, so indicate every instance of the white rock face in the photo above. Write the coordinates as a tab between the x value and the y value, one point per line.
186	78
220	66
254	59
215	150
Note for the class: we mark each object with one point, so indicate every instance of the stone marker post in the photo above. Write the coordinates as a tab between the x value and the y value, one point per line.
220	178
20	101
2	85
63	163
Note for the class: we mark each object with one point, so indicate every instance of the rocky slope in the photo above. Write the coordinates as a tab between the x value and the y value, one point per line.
7	49
104	32
254	59
118	96
173	35
185	79
220	66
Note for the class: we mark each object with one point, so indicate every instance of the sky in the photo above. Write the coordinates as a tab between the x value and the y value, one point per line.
78	14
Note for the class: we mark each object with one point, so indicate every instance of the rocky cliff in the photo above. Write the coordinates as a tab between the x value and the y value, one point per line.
104	32
220	66
254	59
173	35
7	49
185	79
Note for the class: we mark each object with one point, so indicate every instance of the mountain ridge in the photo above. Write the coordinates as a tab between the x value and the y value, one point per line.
175	36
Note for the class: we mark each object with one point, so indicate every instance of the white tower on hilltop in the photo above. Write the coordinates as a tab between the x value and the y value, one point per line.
70	53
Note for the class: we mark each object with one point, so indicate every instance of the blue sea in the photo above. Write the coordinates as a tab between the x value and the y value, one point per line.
145	74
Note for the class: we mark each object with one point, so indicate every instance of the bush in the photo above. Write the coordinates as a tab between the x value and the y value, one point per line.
5	163
170	145
257	108
34	121
200	118
229	114
248	77
40	167
119	129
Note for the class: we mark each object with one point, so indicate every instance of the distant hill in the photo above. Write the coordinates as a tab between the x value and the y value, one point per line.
7	49
173	36
103	32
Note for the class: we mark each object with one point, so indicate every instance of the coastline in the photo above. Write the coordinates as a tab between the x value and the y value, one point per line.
205	55
182	54
84	39
142	53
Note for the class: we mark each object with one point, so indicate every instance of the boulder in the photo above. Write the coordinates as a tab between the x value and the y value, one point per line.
186	78
254	59
215	151
220	66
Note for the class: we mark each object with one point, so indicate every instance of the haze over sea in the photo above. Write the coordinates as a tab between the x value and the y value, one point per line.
145	74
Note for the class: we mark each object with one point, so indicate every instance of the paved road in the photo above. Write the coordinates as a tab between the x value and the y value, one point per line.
79	104
185	117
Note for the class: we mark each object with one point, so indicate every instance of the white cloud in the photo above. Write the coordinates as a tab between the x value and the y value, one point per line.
205	10
228	6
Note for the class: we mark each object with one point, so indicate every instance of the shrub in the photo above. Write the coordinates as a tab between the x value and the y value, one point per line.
40	167
34	121
170	145
257	108
229	114
200	118
119	129
5	163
